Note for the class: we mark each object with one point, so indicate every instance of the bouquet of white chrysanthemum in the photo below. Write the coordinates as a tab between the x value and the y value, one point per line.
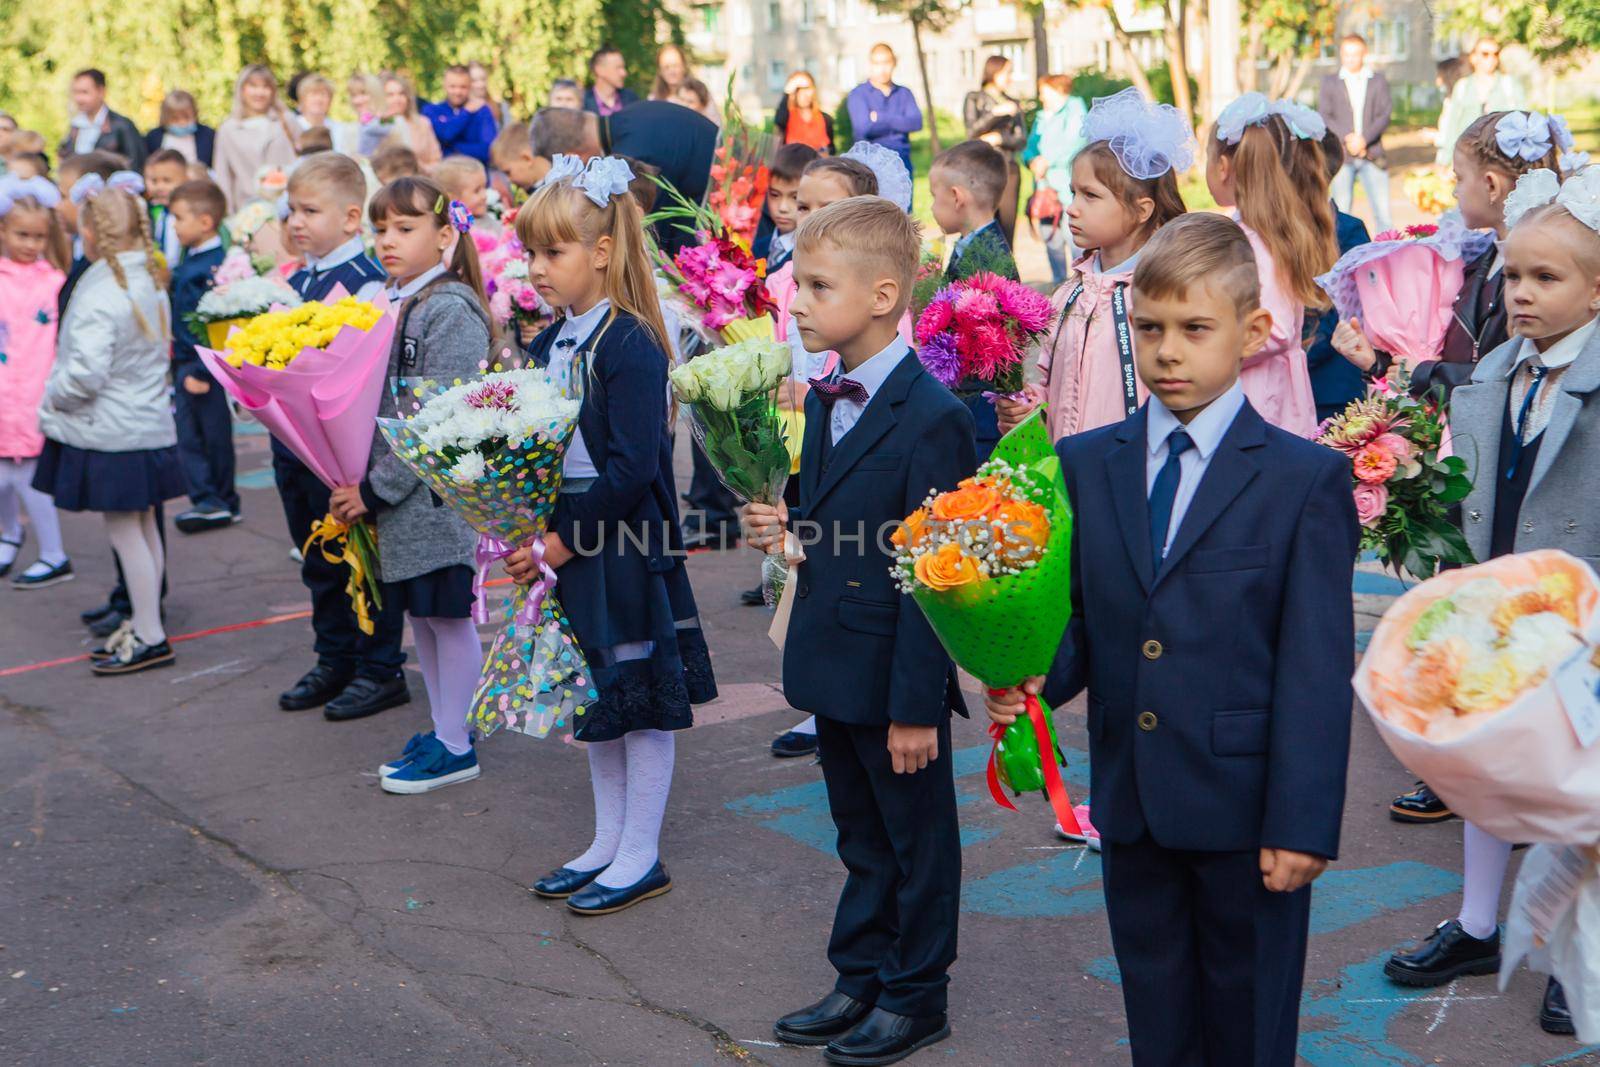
731	396
240	293
492	449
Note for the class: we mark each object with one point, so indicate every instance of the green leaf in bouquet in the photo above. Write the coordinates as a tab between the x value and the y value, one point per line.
1457	487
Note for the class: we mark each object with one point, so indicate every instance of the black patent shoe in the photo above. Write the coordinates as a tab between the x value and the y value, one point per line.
596	899
134	656
833	1016
94	615
1554	1017
562	882
106	625
366	696
52	574
315	688
1449	952
884	1037
1420	805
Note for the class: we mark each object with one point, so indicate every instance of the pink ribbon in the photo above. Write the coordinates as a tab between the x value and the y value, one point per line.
1016	397
489	550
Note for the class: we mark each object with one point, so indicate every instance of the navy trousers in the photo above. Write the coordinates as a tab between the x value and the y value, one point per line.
205	442
1211	960
894	933
339	641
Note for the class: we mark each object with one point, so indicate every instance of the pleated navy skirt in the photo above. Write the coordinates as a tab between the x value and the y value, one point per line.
442	594
83	479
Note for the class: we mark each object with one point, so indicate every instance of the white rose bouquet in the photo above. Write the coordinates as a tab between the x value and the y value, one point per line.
730	394
492	448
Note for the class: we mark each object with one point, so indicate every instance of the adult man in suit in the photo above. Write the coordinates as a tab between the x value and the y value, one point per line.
1356	105
96	126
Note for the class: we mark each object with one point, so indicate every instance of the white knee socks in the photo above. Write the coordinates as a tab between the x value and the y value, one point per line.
16	485
450	654
632	778
1486	859
138	547
608	777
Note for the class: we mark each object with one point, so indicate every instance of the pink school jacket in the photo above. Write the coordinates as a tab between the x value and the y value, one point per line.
1276	380
1080	361
27	349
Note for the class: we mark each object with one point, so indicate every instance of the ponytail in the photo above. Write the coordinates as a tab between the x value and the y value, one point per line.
1281	185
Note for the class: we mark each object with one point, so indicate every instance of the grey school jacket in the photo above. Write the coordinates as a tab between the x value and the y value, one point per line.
1562	508
445	336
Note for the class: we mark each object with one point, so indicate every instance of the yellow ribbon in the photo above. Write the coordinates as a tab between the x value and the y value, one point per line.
330	531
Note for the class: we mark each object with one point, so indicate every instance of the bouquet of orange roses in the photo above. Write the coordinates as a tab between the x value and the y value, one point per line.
988	563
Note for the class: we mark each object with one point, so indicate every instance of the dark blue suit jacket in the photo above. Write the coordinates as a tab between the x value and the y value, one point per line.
858	651
1219	686
1335	381
191	280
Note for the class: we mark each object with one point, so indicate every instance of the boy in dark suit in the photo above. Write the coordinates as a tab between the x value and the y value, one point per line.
967	182
880	433
194	211
1217	753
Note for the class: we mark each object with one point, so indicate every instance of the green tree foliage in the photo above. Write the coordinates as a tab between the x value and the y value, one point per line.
152	46
1553	29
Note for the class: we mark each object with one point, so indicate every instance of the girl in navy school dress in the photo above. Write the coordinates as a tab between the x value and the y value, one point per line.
614	539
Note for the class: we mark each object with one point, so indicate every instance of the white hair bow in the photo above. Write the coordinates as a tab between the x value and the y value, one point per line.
562	167
1252	109
90	186
1147	138
603	178
1524	135
1579	195
38	187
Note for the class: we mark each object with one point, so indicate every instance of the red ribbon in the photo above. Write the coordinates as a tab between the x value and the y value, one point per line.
1054	788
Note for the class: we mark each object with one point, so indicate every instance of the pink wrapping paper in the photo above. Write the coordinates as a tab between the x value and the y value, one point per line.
1518	773
323	406
1407	300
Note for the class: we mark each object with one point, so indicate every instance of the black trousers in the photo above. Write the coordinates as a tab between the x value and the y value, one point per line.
339	641
1211	961
894	933
205	442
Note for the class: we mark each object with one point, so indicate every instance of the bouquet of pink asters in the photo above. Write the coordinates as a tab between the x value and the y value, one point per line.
977	330
1403	487
512	297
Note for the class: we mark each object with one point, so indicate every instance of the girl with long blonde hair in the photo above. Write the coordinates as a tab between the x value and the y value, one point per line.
614	540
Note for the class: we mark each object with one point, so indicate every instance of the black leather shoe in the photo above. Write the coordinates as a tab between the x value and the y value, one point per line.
1447	953
364	696
595	899
1554	1018
791	744
833	1016
107	624
132	657
1420	805
94	615
53	574
562	882
884	1037
316	687
752	598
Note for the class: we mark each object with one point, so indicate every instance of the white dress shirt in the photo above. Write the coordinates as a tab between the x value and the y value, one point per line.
414	286
87	130
1557	358
1206	430
576	330
351	249
1355	86
204	246
871	374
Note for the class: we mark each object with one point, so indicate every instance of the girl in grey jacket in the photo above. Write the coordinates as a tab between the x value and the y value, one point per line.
425	551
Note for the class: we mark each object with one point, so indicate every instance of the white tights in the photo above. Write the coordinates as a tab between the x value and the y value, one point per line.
450	655
632	778
1483	873
137	543
16	487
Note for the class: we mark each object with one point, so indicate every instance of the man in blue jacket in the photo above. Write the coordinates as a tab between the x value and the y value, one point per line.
461	132
881	111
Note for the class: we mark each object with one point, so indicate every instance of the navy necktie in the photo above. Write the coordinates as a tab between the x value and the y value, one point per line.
1165	492
1519	442
831	390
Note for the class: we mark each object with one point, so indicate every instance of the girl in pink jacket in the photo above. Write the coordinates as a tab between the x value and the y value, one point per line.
30	237
1124	188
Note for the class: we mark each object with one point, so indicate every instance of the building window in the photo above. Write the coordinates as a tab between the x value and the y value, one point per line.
711	20
969	64
808	14
777	74
846	77
774	14
1389	39
741	19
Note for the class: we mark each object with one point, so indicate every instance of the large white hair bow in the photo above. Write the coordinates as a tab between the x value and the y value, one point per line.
90	186
1147	138
1524	135
894	180
38	187
562	167
1252	109
1579	195
603	178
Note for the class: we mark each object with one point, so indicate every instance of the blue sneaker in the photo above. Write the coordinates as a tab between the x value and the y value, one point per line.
407	754
432	768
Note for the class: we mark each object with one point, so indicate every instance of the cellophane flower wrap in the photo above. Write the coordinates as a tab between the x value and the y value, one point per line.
313	376
492	448
238	293
1460	680
1402	286
741	170
989	564
512	298
1403	487
730	394
719	276
978	330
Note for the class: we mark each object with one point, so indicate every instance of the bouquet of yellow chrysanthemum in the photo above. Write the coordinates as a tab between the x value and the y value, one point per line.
313	376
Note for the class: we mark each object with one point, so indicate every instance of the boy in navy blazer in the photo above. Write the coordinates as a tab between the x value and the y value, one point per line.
880	433
1212	557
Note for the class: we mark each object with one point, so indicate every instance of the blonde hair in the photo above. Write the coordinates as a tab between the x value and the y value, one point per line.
1200	248
316	81
512	138
120	223
1281	185
452	172
333	173
561	214
371	83
1585	244
873	232
405	83
57	247
264	72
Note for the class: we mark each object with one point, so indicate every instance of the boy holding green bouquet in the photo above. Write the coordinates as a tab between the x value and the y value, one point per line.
880	433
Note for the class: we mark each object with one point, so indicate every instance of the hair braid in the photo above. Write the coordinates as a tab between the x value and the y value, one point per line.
101	222
158	274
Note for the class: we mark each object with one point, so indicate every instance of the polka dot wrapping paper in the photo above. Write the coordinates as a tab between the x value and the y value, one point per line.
534	677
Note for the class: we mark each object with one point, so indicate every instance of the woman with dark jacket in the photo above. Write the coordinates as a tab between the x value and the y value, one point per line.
992	114
181	130
800	118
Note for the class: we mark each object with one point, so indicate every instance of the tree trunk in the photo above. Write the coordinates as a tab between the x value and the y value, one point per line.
1202	72
1125	43
1303	70
1282	68
1172	29
930	116
1041	43
1250	60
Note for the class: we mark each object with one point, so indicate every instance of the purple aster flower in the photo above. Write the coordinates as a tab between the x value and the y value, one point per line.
941	359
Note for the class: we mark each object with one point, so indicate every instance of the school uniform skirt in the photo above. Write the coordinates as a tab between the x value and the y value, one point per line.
635	618
83	479
442	594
